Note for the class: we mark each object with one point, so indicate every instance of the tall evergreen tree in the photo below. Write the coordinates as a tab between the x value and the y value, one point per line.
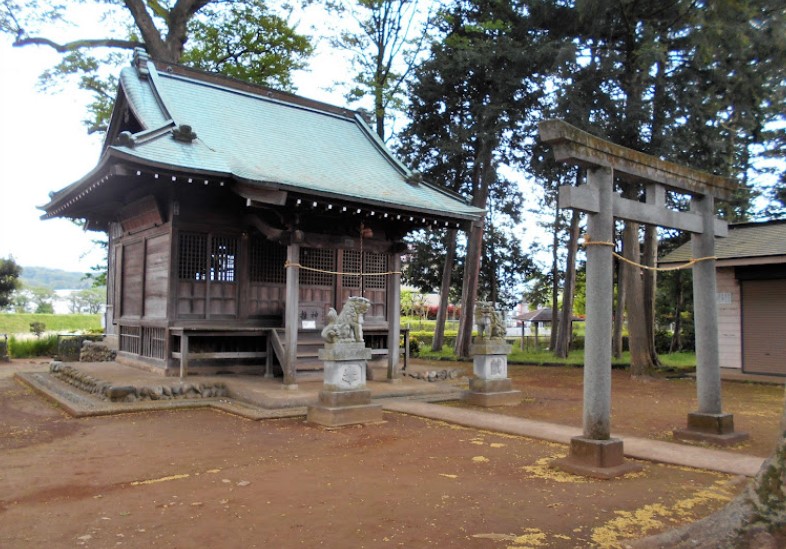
479	84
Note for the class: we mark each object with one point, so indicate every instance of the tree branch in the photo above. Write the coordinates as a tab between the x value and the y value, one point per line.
77	44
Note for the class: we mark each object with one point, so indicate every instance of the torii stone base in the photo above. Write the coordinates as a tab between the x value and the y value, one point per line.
344	399
717	429
491	385
603	459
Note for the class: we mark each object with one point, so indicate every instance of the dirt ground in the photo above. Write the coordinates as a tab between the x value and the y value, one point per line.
647	409
199	478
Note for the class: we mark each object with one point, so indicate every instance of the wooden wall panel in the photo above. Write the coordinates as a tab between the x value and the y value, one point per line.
157	276
133	272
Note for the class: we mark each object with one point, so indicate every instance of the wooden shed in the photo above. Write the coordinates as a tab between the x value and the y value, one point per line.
751	296
238	216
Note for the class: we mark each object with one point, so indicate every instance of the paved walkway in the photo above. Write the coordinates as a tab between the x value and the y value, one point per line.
255	397
634	447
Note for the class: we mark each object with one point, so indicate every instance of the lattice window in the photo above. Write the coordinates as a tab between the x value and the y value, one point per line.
223	256
374	263
317	259
131	339
153	342
192	256
267	261
194	263
351	264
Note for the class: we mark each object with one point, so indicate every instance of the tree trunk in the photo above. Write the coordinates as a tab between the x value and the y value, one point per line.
650	284
679	298
484	175
562	344
755	519
619	313
444	291
555	281
470	288
641	363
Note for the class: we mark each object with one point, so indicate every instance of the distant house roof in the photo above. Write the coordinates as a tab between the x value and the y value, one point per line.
763	242
541	315
258	139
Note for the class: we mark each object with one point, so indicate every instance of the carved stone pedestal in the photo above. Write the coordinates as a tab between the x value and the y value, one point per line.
715	429
491	385
344	399
602	459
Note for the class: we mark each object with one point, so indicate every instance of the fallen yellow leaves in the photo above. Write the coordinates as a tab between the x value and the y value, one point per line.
542	469
650	518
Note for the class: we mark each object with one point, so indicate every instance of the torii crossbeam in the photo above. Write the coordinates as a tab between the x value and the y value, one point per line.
595	453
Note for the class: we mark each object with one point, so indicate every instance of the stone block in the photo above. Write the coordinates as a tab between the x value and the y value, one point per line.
479	385
717	429
334	399
490	347
602	459
329	416
490	400
490	366
345	375
345	351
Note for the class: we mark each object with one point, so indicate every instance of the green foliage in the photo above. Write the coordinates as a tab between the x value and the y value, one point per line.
37	328
19	347
385	39
245	40
9	280
19	323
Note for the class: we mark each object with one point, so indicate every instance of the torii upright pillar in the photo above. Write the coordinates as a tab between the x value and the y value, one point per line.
595	453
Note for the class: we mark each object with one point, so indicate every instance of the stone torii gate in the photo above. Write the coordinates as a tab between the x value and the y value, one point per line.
595	453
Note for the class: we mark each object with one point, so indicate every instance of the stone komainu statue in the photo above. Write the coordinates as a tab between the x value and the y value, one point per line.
348	325
489	321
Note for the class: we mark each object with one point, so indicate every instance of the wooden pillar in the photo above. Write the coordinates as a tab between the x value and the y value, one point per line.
394	317
291	318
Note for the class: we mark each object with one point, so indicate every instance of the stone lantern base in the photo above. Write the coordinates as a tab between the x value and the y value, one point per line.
344	399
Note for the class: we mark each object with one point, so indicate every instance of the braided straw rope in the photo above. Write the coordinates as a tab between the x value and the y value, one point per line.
589	242
299	266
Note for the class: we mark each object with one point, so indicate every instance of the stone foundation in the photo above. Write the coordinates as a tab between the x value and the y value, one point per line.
94	351
603	459
491	386
344	399
717	429
129	393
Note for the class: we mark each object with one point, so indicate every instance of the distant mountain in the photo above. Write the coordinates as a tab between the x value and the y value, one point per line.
54	279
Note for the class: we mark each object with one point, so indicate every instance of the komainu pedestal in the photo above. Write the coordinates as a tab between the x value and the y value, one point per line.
491	385
344	399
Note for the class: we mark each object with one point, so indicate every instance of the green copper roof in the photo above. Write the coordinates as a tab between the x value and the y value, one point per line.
273	141
746	240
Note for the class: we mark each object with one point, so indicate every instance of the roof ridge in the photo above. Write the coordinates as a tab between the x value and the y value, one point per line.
217	79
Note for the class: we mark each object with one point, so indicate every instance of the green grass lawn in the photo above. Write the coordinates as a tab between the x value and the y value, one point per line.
676	361
19	323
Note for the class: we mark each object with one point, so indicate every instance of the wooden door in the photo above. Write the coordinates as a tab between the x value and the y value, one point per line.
764	326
